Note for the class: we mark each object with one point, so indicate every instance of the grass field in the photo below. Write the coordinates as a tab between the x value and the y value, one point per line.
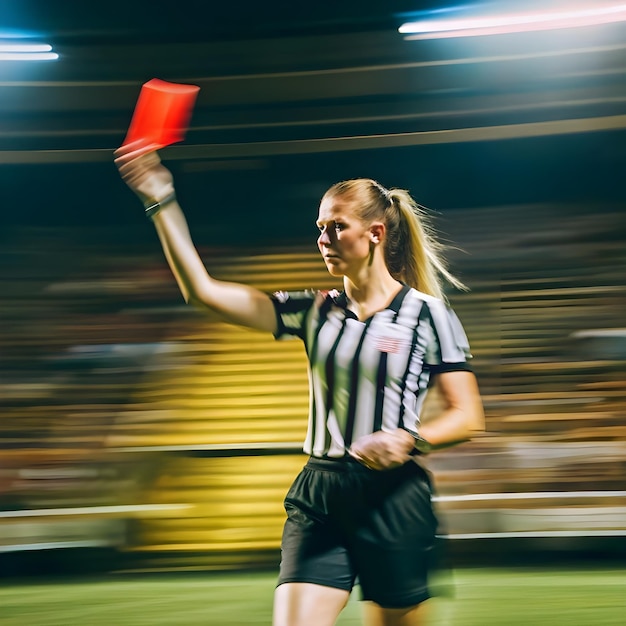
484	597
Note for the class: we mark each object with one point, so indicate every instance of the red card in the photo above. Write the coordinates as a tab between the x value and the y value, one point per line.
162	113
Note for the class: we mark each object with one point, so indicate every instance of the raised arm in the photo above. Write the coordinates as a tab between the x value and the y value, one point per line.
233	302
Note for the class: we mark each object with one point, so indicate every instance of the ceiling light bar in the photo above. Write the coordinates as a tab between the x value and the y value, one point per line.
515	23
26	52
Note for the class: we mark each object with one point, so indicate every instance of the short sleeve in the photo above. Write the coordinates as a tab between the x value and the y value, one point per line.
448	348
292	309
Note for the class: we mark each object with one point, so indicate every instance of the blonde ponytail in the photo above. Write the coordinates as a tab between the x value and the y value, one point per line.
415	247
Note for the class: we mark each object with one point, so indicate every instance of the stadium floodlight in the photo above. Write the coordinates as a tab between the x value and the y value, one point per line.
514	23
11	51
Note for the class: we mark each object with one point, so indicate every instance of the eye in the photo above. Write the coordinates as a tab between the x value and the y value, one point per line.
339	227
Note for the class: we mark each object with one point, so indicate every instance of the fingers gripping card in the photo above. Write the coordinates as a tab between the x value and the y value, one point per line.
162	113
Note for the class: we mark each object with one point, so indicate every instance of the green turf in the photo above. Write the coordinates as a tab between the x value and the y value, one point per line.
484	597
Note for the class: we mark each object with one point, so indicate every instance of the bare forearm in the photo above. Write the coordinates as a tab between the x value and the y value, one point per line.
233	302
180	252
449	428
458	413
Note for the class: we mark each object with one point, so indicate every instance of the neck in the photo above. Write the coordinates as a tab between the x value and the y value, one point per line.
371	295
375	286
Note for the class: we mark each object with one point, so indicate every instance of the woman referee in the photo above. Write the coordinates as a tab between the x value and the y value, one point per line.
361	507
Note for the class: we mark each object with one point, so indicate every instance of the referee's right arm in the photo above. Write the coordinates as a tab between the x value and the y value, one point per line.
235	303
143	172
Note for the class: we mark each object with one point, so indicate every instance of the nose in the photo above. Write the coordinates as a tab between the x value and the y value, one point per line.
324	238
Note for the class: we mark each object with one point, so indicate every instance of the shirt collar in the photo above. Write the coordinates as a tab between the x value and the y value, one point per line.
341	300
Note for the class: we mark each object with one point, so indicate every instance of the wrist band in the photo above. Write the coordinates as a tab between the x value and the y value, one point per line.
153	208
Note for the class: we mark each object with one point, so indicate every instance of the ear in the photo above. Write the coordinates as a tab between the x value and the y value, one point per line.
377	232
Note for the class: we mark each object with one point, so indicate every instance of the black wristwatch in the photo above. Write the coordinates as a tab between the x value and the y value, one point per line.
423	446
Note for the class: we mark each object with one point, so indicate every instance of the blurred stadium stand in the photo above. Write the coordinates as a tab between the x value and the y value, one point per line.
134	425
133	422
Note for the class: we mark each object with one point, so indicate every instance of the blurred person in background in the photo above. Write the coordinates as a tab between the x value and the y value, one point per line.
361	507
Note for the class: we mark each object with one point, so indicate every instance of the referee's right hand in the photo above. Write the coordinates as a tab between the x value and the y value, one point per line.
141	169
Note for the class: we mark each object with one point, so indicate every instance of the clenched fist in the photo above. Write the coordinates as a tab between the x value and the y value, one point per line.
382	450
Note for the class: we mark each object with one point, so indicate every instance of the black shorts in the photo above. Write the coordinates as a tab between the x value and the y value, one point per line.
345	522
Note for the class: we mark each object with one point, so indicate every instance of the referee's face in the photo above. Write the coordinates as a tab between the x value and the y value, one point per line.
344	240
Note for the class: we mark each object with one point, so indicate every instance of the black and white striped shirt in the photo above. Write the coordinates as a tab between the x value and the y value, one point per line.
369	375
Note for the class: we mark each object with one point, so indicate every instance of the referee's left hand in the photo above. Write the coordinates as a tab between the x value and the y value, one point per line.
382	450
